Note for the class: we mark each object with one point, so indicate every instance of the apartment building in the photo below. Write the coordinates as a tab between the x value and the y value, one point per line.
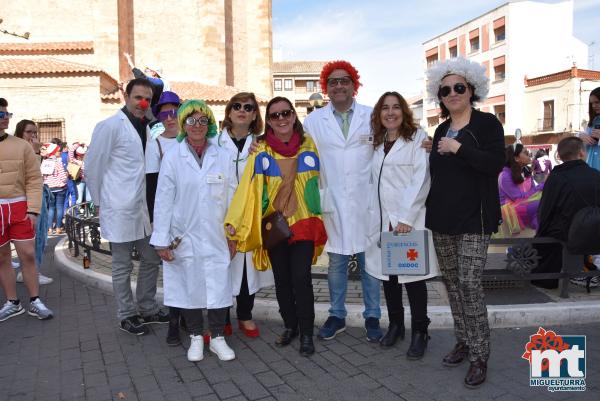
516	40
298	81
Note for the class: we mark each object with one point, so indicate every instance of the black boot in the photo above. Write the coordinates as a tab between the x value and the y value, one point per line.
173	339
286	337
395	330
307	347
419	339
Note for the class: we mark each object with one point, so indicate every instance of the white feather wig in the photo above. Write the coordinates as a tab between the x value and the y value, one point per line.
472	72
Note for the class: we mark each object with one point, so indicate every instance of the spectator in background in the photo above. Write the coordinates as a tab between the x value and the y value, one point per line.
20	202
27	130
519	194
591	135
541	166
76	157
55	177
570	187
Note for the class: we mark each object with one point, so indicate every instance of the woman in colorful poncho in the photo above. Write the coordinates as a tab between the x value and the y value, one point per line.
519	195
283	175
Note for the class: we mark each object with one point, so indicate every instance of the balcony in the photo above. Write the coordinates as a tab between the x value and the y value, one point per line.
545	124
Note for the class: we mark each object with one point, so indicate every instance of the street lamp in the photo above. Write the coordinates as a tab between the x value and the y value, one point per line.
315	101
518	135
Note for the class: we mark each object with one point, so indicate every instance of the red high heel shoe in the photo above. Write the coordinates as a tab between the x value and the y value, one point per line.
252	333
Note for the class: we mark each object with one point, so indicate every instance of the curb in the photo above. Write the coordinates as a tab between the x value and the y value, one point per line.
499	316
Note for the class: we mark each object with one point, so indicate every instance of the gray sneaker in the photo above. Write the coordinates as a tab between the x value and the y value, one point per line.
9	310
39	310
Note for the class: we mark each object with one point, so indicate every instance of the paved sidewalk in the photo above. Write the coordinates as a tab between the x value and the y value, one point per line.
82	355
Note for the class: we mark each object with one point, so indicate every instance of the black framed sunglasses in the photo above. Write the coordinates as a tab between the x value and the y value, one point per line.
248	108
200	120
277	115
344	81
458	88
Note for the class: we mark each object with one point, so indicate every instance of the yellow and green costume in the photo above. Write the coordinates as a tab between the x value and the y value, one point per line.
268	175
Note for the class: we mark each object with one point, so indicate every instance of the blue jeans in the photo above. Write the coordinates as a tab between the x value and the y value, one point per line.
83	193
41	228
57	208
337	278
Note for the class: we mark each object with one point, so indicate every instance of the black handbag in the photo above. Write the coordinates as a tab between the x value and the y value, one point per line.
274	230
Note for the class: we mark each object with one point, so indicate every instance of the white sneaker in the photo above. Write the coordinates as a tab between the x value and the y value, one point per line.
39	310
196	351
19	277
45	279
219	346
15	265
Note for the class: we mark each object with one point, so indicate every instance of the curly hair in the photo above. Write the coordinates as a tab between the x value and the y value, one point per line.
339	65
407	128
190	107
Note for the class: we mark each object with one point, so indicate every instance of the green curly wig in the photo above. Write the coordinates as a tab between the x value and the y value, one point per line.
190	107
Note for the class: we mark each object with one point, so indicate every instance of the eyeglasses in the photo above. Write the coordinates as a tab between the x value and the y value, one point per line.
248	108
344	81
458	88
200	120
277	115
164	115
5	114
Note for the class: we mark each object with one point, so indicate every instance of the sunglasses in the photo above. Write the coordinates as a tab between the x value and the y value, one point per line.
248	108
277	115
458	88
344	81
5	114
200	120
164	115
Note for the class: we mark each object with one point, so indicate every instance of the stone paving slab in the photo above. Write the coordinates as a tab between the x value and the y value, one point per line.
82	355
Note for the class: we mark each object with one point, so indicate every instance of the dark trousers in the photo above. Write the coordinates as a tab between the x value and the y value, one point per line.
293	284
244	301
195	321
417	298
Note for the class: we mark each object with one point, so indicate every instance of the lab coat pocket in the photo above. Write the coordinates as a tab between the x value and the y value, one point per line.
216	185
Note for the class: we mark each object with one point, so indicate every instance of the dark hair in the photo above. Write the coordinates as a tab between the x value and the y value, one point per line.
20	128
516	170
256	126
138	82
540	153
407	128
297	124
3	102
445	113
596	93
569	148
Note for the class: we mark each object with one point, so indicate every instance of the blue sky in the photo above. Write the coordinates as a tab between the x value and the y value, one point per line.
383	38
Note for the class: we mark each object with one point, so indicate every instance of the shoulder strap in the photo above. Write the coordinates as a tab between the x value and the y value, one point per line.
160	151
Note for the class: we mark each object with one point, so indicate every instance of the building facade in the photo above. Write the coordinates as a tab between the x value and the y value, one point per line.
298	81
514	41
69	69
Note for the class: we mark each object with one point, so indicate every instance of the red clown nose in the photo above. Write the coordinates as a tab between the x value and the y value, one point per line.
144	104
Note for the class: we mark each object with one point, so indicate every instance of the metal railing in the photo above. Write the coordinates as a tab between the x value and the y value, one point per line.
83	231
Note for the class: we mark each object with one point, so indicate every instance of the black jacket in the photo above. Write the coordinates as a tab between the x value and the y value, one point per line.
569	188
464	186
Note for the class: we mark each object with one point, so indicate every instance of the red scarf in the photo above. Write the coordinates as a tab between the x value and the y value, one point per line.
285	149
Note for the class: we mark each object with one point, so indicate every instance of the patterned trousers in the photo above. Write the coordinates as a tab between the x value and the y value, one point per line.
461	260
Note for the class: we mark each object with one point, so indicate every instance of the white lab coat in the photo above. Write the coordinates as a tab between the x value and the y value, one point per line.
345	172
256	279
115	176
404	184
191	203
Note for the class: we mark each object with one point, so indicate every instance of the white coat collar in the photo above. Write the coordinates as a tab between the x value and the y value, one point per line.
359	114
224	140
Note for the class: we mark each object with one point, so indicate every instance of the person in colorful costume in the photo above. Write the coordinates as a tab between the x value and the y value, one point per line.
283	175
519	195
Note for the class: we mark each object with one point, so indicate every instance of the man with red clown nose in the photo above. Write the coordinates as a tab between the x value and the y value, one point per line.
115	175
342	133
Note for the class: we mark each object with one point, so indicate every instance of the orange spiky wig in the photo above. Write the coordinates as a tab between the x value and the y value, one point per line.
339	65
